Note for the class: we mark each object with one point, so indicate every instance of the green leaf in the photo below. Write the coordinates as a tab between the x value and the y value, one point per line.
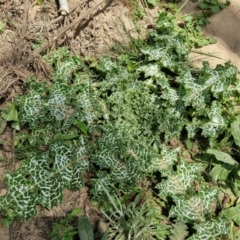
203	5
65	136
179	182
105	236
15	125
11	114
223	5
233	213
188	18
81	126
6	222
186	209
42	178
235	185
222	156
152	2
219	173
235	130
211	229
212	40
124	225
189	144
215	9
76	211
179	231
85	229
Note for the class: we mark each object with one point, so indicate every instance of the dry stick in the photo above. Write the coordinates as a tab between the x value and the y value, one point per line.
72	10
62	31
23	31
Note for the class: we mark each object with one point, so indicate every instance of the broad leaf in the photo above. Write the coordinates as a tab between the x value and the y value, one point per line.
85	229
211	229
194	208
219	172
11	114
233	213
222	156
235	130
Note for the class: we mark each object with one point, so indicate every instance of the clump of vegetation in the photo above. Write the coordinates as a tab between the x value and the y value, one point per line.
207	8
64	228
137	8
119	118
212	6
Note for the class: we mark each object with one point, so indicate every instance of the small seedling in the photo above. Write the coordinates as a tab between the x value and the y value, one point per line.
64	229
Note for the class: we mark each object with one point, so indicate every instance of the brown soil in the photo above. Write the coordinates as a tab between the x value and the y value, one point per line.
88	30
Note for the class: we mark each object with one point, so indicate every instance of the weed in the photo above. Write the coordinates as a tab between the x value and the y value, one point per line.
136	220
117	118
212	6
136	10
64	229
207	8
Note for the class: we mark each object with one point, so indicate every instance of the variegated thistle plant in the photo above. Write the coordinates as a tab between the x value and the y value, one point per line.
115	118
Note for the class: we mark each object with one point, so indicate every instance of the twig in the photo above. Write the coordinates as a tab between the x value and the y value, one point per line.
62	31
23	32
73	9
